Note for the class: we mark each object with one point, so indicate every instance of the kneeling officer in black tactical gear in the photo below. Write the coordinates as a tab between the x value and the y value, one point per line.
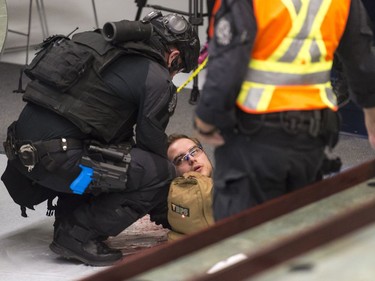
76	137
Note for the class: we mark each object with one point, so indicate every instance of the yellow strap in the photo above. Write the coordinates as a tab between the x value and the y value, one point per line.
195	73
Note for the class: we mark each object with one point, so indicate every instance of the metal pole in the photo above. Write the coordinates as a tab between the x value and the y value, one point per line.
196	20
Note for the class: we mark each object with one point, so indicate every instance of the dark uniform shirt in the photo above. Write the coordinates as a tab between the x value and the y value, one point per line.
230	49
141	82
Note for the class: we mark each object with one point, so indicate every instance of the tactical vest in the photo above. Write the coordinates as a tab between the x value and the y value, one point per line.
291	60
66	78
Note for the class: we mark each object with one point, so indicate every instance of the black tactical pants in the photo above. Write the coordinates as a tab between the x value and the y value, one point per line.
105	214
269	163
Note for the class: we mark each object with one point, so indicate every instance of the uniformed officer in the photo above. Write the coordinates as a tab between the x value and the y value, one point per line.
75	137
267	103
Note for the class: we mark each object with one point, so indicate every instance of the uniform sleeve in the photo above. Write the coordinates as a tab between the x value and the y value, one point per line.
229	54
357	54
156	107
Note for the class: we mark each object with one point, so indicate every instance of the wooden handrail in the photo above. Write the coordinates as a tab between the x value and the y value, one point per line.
162	254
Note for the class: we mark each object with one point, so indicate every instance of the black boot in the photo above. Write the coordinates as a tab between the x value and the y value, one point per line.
92	251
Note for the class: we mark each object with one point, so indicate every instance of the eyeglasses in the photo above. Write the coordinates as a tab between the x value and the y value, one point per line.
195	151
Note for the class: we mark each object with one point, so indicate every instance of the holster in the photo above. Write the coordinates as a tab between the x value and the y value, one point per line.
331	123
104	169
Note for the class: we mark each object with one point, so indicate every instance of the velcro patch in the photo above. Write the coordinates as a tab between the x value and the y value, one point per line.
180	210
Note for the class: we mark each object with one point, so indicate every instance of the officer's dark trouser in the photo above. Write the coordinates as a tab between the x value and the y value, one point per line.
105	214
148	184
252	169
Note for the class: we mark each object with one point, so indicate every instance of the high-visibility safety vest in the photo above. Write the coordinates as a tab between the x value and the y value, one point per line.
292	55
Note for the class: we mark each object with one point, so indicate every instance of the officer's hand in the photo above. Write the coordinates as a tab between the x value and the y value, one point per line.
370	124
208	133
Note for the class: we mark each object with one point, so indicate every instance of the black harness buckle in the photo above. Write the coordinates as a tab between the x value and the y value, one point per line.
291	121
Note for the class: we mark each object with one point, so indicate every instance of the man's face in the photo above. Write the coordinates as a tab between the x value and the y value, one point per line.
187	156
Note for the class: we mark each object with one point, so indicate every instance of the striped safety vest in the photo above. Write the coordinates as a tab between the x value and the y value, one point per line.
292	55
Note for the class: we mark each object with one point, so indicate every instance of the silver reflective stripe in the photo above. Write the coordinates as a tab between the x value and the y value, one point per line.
276	78
297	5
304	32
253	97
331	96
314	49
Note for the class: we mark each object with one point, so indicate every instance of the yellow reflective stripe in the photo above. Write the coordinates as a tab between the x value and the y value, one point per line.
298	21
243	93
327	95
316	34
291	8
324	10
306	24
266	98
304	54
285	67
245	96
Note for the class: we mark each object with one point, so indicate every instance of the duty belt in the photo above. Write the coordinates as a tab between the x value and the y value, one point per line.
292	122
30	153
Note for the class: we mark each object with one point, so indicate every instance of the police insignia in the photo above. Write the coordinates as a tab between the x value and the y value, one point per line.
223	32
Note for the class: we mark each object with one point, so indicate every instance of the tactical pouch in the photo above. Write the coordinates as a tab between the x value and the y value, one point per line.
330	127
60	63
189	204
8	149
23	190
9	144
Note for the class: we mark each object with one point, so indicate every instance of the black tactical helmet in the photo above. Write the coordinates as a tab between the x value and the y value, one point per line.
174	29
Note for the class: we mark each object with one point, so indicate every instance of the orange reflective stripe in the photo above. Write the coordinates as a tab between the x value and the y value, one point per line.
289	98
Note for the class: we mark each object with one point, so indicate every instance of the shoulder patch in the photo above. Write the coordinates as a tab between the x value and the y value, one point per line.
224	32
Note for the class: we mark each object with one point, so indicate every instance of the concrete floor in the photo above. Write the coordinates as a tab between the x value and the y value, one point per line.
24	243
